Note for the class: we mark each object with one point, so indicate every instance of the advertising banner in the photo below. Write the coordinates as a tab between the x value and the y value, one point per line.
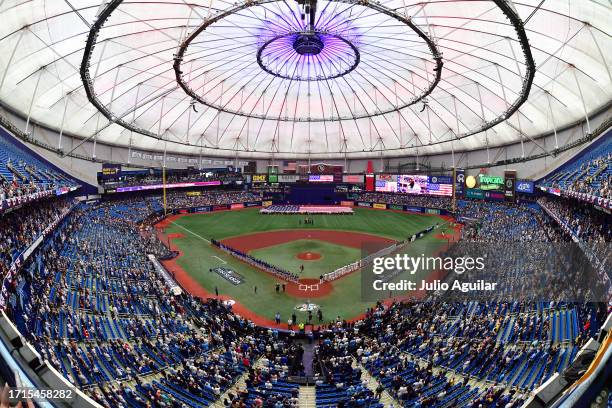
321	178
440	179
347	203
202	209
288	178
396	207
524	186
253	204
110	170
414	209
380	206
172	185
266	203
236	206
220	207
259	178
352	178
474	193
459	182
369	182
362	204
509	184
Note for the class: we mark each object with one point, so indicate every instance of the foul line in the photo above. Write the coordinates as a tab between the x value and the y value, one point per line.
191	232
214	256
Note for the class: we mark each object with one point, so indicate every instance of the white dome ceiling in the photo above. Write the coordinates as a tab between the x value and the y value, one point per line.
254	77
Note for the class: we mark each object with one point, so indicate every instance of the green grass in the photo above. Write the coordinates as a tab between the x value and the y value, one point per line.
345	300
227	224
333	256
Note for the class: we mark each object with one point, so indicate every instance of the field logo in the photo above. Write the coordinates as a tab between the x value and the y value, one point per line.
307	307
229	302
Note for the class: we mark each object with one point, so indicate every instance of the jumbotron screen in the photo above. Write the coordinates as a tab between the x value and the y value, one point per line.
414	184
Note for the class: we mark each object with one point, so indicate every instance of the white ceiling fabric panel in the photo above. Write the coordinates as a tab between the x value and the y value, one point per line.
260	79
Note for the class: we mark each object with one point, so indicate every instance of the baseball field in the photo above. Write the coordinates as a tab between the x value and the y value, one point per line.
307	250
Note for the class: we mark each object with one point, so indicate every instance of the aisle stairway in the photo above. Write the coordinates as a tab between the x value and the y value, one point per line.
372	383
307	397
240	384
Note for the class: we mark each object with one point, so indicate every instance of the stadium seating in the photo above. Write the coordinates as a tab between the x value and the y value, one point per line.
590	172
95	307
22	173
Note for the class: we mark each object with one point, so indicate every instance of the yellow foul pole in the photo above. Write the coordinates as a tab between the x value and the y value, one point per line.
164	190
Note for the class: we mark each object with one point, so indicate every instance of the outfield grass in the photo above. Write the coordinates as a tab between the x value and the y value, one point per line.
285	256
345	300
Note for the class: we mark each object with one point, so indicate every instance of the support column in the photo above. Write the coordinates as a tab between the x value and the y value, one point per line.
586	114
40	71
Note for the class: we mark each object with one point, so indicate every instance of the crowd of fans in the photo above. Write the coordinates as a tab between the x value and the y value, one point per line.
127	179
444	203
20	228
178	200
591	175
15	189
94	306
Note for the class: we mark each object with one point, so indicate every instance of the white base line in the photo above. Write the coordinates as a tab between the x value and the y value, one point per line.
191	232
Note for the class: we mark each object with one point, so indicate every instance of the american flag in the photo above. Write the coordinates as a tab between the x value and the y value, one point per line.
289	166
440	189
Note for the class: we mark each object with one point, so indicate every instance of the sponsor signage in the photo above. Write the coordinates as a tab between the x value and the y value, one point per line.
288	178
236	206
219	207
110	170
493	195
321	178
352	178
347	203
474	193
380	206
194	193
459	181
440	179
254	204
202	209
414	209
432	211
230	275
524	186
258	178
486	179
172	185
362	204
266	203
509	184
369	182
396	207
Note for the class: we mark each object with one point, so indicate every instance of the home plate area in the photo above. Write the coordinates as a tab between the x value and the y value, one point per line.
309	288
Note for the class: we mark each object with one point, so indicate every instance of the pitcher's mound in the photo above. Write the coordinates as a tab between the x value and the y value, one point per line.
308	256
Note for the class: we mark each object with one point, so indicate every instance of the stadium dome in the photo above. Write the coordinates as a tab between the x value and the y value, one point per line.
295	79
